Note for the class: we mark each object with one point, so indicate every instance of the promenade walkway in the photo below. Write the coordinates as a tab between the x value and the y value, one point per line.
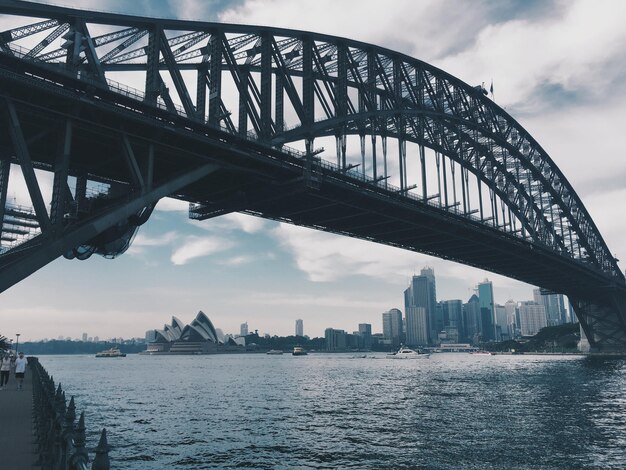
17	442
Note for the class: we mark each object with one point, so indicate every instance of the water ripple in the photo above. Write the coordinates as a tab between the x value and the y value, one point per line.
332	411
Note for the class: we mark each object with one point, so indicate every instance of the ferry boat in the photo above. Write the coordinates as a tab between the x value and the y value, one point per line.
274	352
298	351
482	353
406	353
113	352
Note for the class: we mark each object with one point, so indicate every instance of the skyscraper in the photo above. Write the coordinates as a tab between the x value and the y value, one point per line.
554	305
511	318
392	326
299	328
487	311
532	318
452	319
335	339
502	325
85	337
471	318
243	329
420	300
365	334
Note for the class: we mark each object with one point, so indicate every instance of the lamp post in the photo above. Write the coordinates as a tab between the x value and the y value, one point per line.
17	342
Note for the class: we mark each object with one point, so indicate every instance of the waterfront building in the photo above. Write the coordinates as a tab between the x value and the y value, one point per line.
502	325
336	340
532	318
471	319
512	316
200	336
299	328
417	331
554	305
420	301
243	329
392	327
451	312
365	335
487	311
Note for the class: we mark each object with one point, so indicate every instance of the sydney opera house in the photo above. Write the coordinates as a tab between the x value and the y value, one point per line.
199	337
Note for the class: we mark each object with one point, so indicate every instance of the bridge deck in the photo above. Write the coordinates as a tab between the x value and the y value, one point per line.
17	442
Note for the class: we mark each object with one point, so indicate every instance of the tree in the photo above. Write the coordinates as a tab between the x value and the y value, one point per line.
4	343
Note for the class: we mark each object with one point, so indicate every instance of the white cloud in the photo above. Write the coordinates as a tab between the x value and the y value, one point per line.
195	247
172	205
410	27
164	239
568	51
327	257
235	221
245	222
247	259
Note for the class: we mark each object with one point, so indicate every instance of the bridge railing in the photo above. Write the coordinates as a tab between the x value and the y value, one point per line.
61	441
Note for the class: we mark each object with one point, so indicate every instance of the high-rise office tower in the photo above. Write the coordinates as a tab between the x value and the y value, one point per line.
502	325
420	301
365	334
532	318
452	319
471	318
487	311
85	337
511	318
554	305
243	329
299	328
392	326
336	340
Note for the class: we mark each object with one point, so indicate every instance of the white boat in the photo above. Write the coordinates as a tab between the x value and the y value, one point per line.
274	352
298	351
406	353
113	352
482	353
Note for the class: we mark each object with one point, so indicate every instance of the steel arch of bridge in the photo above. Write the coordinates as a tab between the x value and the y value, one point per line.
291	86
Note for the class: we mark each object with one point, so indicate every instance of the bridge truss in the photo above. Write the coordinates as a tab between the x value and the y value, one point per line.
122	111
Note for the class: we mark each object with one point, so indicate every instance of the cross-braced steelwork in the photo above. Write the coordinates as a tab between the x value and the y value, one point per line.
438	167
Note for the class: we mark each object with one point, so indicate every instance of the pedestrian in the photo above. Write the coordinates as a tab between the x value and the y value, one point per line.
20	368
5	368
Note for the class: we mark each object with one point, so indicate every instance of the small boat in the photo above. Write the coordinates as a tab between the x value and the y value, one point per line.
113	352
482	353
274	352
406	353
298	351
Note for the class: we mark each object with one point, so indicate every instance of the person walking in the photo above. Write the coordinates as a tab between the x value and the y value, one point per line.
20	368
5	368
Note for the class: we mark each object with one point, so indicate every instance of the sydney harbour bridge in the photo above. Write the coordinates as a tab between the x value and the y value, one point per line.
111	113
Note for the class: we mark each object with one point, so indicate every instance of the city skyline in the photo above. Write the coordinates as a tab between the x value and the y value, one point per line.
177	267
375	321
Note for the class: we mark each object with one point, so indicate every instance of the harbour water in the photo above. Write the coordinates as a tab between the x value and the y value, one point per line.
334	411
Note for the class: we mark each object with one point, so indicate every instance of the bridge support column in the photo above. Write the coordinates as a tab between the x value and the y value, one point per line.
603	321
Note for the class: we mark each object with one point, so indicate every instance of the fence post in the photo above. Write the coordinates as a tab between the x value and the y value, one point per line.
79	458
101	461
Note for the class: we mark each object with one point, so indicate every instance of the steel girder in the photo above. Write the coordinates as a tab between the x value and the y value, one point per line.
355	88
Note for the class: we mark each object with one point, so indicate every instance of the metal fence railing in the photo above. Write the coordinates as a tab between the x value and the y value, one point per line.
61	440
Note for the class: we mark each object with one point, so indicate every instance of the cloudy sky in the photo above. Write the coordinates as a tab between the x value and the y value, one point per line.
559	67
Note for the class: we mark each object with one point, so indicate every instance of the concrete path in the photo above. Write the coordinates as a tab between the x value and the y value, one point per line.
17	442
